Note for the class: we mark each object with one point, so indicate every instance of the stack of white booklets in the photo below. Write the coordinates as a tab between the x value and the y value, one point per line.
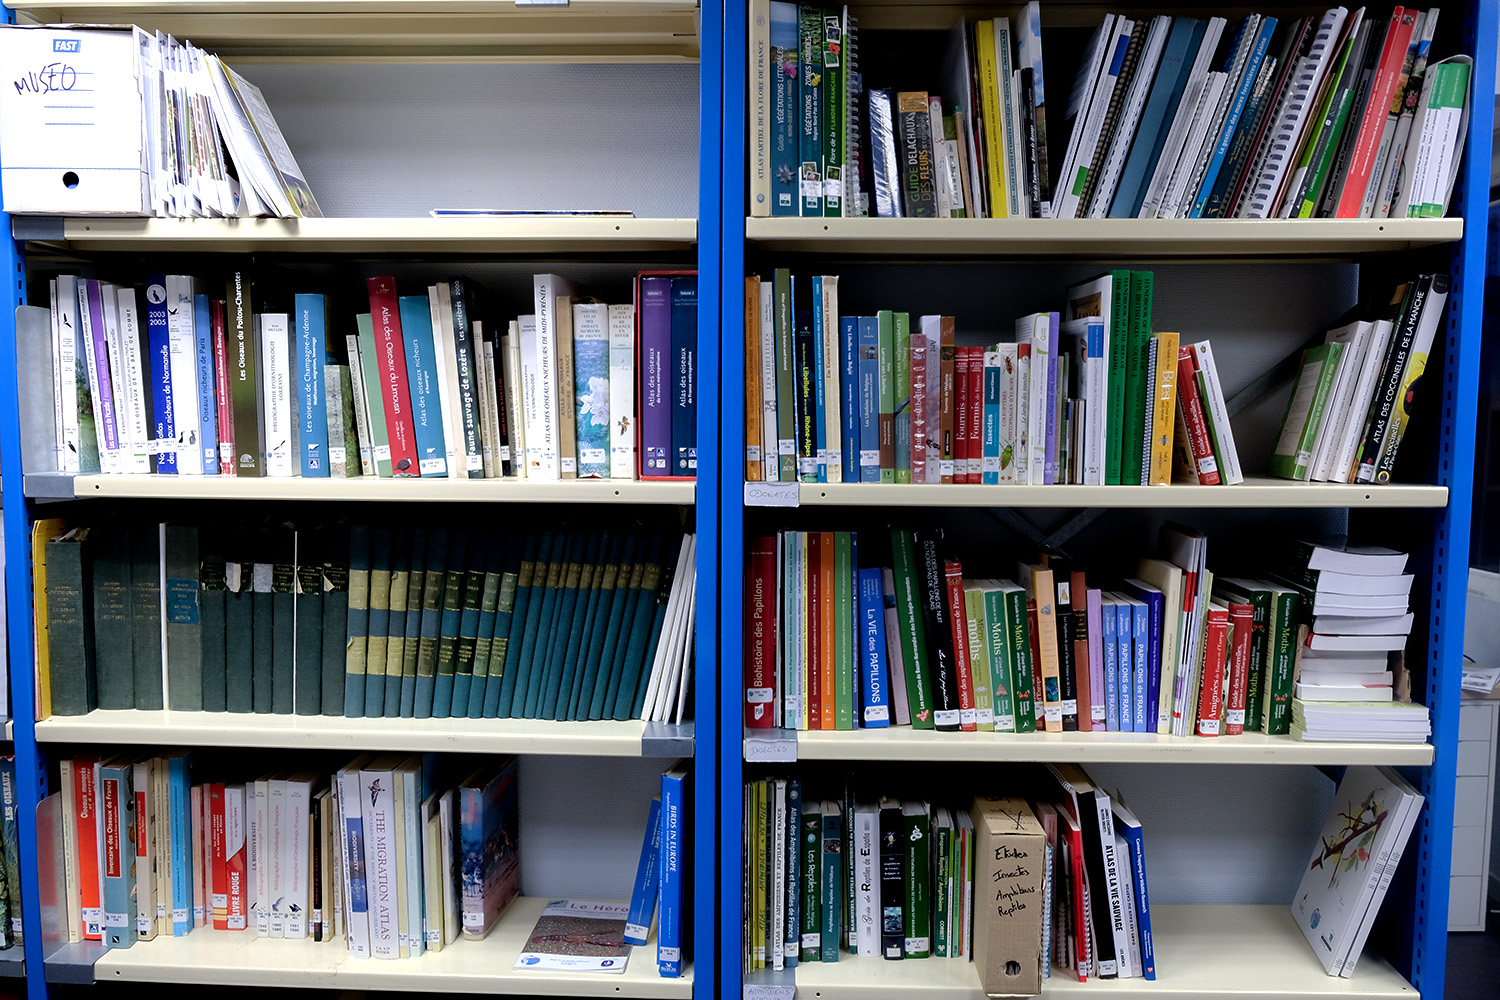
1344	883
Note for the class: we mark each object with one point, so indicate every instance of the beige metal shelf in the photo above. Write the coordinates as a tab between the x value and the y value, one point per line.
1155	239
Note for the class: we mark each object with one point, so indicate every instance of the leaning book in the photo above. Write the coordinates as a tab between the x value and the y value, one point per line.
578	936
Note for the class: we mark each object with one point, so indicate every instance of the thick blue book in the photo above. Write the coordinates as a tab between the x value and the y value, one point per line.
1125	638
1261	43
849	427
529	630
671	936
484	642
556	695
869	399
617	638
820	427
684	371
643	613
180	829
792	935
468	626
1147	661
1127	826
358	620
535	668
381	550
208	411
455	577
432	622
536	551
159	370
398	601
311	316
1109	646
505	610
548	676
875	712
422	379
616	567
642	913
1156	119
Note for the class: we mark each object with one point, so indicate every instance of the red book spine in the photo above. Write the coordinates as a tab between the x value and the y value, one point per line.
962	403
394	390
235	863
947	390
1037	700
918	407
219	869
85	777
1383	88
1211	688
953	577
974	429
760	635
223	401
1242	630
811	639
1082	688
1080	904
1200	445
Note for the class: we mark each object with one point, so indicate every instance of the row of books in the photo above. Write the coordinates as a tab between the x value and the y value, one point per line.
11	929
904	878
391	855
894	632
420	385
1354	394
364	621
1088	395
1337	115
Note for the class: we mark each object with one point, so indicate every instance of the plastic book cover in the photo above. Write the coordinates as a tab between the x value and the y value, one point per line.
577	936
489	834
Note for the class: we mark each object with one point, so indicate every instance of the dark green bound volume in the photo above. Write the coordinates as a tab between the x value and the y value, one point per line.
558	634
307	663
627	587
335	618
109	552
184	620
432	620
244	380
283	623
525	576
70	625
558	696
454	578
623	693
468	627
145	614
395	635
211	598
411	647
535	664
484	641
379	629
239	636
505	606
588	669
358	622
263	624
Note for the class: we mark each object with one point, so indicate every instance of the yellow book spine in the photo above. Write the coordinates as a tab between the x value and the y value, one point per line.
1045	595
1164	413
42	530
760	875
753	467
989	94
979	659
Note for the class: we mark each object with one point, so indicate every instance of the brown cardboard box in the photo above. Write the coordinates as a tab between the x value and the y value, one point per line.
1009	853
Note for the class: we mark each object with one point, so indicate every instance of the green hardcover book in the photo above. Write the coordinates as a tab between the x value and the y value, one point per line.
810	97
902	396
623	684
810	848
343	435
851	888
145	614
535	549
1119	351
1137	356
845	597
942	874
307	685
109	571
786	364
1018	625
834	101
395	623
505	606
211	596
239	635
335	570
616	637
244	377
913	630
885	321
484	641
1258	596
1000	655
455	577
416	590
831	880
70	625
262	623
583	688
1281	656
1303	420
979	659
381	542
358	619
432	622
916	827
525	627
283	623
380	442
539	627
550	668
184	622
556	697
468	626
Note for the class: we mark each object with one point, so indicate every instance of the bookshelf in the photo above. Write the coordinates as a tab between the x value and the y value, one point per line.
982	268
395	108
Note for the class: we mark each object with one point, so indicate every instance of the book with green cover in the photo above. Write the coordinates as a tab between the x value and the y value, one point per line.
433	580
263	623
831	882
69	625
211	616
395	635
607	684
556	698
810	111
998	653
108	548
454	578
1258	596
979	659
468	626
335	545
1018	625
380	442
1119	350
1300	424
916	828
239	619
484	639
1137	377
885	327
809	847
617	629
539	643
844	643
547	674
358	622
381	553
145	611
536	550
1281	656
644	615
786	364
583	686
913	636
942	874
308	663
505	605
834	103
411	655
901	404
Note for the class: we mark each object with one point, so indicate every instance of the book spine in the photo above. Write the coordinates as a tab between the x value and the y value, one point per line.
885	170
833	863
916	155
1241	623
917	408
1282	654
869	400
995	638
875	707
911	615
885	326
947	396
655	341
364	433
622	431
670	933
1200	448
834	107
465	357
890	893
394	389
809	103
959	633
948	710
783	111
684	373
643	898
1211	686
423	374
244	377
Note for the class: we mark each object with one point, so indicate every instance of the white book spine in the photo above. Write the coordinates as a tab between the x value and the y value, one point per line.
540	464
1009	103
515	399
135	380
1116	898
1008	398
1130	117
832	421
769	456
108	457
361	407
1187	163
1079	98
449	382
298	832
499	451
65	313
379	814
276	378
941	188
1182	119
1022	434
145	849
183	357
1359	407
1109	75
276	856
117	375
415	829
451	918
54	331
622	428
1340	398
440	352
351	849
1218	406
866	880
1130	957
1035	328
549	393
